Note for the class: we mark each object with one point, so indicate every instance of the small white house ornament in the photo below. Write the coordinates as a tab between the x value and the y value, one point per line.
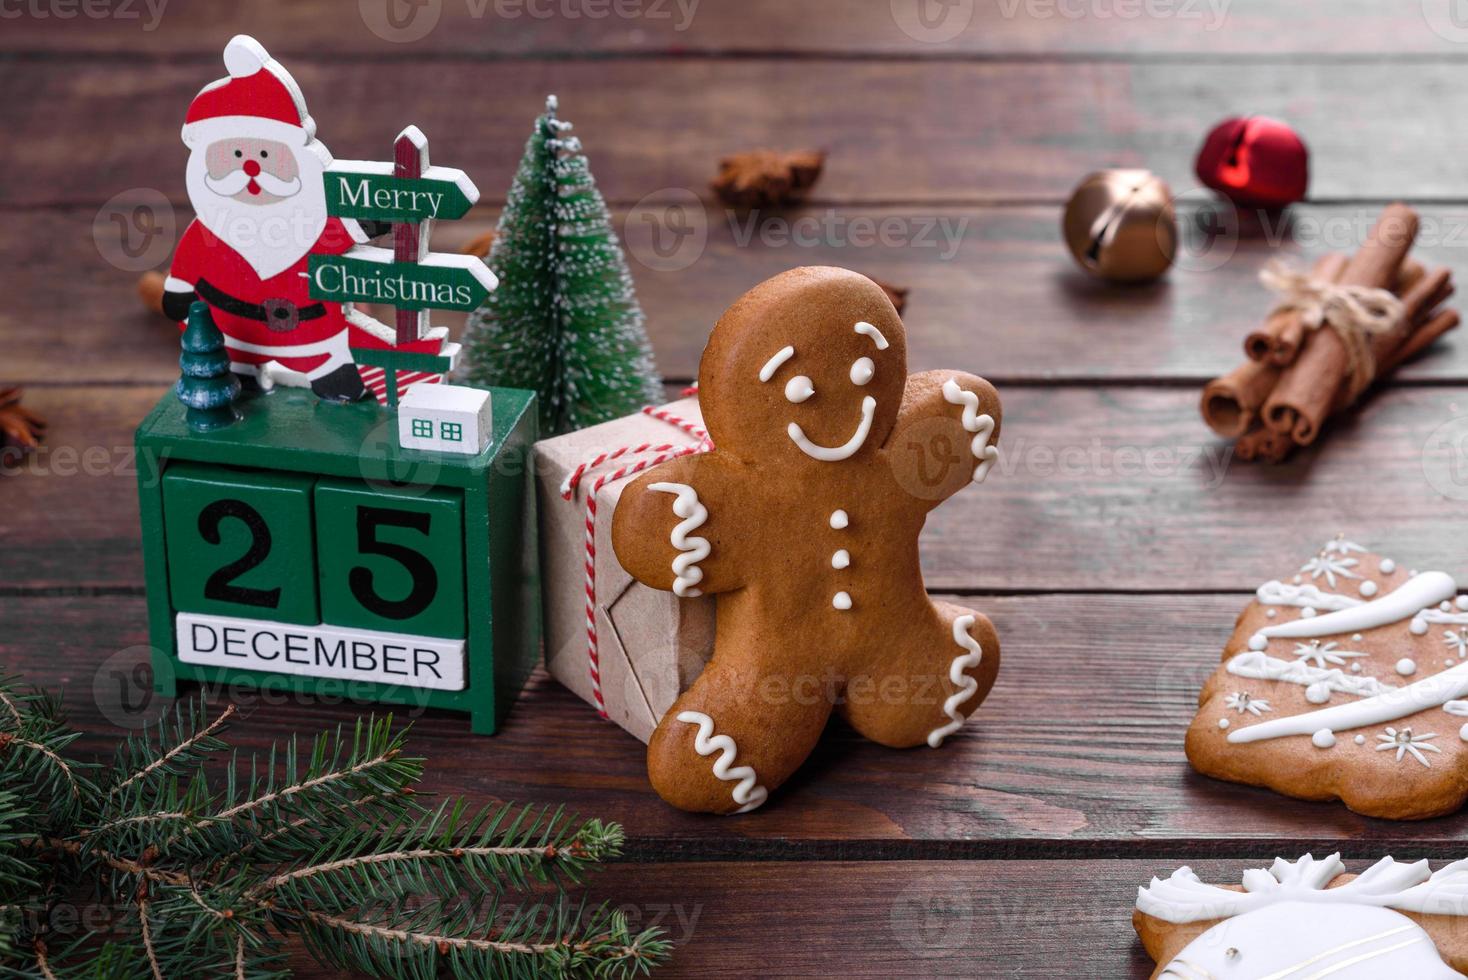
446	419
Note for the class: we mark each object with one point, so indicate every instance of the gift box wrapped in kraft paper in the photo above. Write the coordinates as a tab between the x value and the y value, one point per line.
626	649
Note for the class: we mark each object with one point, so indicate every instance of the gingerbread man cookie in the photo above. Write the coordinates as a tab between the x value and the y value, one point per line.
1308	918
1347	679
803	522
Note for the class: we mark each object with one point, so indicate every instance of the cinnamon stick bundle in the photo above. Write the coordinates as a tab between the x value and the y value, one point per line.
1345	326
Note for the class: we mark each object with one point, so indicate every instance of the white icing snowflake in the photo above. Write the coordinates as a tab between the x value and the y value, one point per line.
1340	546
1324	653
1458	640
1243	701
1330	565
1404	742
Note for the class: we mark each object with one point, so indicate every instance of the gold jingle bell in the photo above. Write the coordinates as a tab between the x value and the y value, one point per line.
1120	225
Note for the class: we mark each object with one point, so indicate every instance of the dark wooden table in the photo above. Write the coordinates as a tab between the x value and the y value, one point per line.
1016	850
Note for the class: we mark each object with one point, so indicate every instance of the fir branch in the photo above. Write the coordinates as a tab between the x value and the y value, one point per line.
42	964
439	942
146	930
181	749
8	740
11	708
325	842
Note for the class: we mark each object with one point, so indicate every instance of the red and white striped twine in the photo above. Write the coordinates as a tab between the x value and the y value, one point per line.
662	452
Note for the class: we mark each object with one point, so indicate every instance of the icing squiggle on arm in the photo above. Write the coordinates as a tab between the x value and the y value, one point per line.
957	673
694	549
981	425
748	794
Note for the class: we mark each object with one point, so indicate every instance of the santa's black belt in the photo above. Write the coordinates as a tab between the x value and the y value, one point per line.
278	314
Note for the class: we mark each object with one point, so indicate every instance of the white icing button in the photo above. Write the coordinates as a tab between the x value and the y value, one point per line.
841	601
1463	733
1355	668
1361	739
1272	613
1317	694
1258	641
841	559
1418	627
839	520
1308	612
1463	602
1406	667
1323	739
1368	588
1357	637
1388	566
1223	723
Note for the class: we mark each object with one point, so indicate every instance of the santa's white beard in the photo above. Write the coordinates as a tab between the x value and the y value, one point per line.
270	237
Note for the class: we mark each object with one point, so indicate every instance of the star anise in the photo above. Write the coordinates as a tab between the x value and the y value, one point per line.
767	178
19	427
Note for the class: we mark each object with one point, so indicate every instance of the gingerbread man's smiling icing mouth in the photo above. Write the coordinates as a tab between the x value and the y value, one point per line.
800	388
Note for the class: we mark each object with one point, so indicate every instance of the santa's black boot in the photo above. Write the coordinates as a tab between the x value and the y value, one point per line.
342	385
248	382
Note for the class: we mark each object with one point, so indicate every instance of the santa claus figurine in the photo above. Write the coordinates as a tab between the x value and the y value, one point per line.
255	180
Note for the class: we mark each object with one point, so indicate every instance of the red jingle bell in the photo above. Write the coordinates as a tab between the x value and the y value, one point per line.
1255	161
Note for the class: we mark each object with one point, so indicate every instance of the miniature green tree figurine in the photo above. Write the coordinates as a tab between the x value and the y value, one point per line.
565	322
207	388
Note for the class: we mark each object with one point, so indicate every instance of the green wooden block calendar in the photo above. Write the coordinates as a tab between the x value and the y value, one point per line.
302	548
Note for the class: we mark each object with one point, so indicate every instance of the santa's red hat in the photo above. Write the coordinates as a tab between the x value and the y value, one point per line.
259	99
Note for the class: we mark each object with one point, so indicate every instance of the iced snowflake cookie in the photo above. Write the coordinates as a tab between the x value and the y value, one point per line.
1347	679
803	522
1303	919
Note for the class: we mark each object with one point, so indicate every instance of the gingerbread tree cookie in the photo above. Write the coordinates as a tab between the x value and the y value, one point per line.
1308	918
803	522
1347	679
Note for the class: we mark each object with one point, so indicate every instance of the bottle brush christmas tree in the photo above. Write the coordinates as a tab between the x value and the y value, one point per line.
208	388
147	868
565	321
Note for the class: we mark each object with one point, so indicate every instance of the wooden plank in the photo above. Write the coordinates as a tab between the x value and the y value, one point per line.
1078	751
510	28
1026	919
1096	488
993	291
946	132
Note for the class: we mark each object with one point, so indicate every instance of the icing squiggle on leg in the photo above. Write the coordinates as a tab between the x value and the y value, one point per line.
957	674
694	549
981	425
749	794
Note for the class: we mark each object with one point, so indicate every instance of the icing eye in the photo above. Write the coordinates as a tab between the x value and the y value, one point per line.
862	370
799	388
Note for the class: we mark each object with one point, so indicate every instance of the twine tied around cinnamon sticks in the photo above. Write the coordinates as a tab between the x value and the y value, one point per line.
1379	309
1357	313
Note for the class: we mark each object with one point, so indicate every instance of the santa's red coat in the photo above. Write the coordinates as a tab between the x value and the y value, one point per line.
202	255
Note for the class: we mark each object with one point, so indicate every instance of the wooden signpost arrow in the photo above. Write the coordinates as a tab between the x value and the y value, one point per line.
412	195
